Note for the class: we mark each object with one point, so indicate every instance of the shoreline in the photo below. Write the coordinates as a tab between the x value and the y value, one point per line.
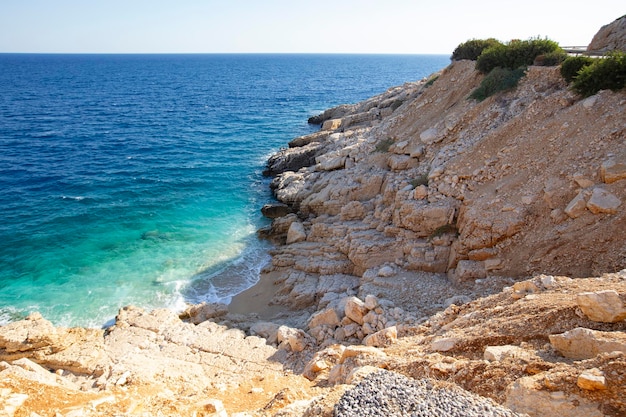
257	299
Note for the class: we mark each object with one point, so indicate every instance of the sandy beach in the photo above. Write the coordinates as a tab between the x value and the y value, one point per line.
256	299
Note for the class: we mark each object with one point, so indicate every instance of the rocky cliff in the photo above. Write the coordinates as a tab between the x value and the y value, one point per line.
477	248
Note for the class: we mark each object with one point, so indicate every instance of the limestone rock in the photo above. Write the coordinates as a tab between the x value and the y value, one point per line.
332	124
603	306
577	206
355	310
296	339
429	136
360	350
523	288
292	159
524	396
613	169
498	353
424	218
296	233
592	380
401	162
581	343
610	37
444	344
602	201
33	333
275	210
205	311
327	317
469	270
382	338
266	330
330	162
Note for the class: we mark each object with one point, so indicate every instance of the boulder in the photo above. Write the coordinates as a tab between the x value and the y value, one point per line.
332	124
382	338
525	396
205	311
592	380
296	233
422	217
469	270
603	306
355	310
613	169
266	330
581	343
577	206
327	317
296	339
275	210
602	201
429	136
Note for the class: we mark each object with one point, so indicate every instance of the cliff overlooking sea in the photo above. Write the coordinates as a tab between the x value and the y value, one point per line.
432	255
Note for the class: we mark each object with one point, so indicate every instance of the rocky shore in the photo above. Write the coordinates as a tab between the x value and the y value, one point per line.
433	255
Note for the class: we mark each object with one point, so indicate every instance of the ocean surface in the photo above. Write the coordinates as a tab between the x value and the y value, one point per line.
136	179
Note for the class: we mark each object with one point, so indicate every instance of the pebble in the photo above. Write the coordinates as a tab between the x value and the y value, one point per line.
388	394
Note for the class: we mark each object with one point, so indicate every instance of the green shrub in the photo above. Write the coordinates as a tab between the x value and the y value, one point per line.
572	65
515	54
384	145
499	79
431	80
551	59
473	48
608	73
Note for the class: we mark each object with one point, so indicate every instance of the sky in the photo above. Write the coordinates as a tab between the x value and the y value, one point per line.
292	26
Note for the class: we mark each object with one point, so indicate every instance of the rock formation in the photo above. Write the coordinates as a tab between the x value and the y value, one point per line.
611	37
468	246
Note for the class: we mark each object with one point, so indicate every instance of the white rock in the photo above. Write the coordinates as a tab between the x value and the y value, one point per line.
577	206
296	339
296	233
592	380
603	306
581	343
327	317
382	338
355	310
602	201
445	344
386	271
429	136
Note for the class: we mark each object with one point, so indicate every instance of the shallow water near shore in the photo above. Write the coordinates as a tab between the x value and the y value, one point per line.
136	179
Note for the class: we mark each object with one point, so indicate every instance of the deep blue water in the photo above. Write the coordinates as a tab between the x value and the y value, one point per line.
136	179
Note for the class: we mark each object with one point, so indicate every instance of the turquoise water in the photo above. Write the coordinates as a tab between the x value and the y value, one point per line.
136	179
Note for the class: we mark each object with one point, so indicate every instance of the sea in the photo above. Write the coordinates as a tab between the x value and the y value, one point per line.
137	179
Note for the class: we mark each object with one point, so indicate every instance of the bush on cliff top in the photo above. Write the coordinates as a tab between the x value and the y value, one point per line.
608	73
499	79
515	54
473	48
572	66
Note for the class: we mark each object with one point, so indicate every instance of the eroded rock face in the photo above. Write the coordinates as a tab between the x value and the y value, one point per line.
611	37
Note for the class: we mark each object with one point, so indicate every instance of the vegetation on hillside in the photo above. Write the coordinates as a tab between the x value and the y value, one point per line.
606	73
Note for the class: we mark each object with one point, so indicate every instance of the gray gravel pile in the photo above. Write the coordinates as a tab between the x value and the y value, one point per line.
388	394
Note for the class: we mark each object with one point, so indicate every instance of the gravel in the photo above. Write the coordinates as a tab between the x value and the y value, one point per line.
388	394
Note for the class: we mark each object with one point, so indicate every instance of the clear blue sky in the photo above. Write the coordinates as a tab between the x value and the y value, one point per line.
335	26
